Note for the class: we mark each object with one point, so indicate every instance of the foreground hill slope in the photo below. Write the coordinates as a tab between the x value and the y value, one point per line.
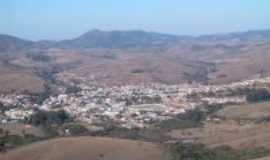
86	148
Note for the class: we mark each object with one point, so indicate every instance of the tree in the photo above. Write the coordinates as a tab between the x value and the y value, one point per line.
48	118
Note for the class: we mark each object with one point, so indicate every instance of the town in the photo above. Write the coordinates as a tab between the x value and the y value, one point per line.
128	106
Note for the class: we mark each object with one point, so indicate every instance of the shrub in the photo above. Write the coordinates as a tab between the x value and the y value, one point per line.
190	119
77	129
257	95
72	89
40	57
179	151
48	118
137	71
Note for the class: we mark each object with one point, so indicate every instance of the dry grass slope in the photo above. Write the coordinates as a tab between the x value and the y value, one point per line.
247	111
86	148
228	133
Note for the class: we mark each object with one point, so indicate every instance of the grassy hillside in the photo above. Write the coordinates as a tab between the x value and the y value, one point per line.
86	148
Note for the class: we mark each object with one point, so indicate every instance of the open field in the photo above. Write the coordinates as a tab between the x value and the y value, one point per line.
119	67
228	133
20	82
247	111
85	148
18	78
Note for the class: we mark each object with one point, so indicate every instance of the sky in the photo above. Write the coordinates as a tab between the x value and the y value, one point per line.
65	19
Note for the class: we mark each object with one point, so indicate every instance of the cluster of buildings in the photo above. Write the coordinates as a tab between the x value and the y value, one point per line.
128	106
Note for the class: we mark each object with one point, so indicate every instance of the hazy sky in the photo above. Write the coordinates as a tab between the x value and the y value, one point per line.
59	19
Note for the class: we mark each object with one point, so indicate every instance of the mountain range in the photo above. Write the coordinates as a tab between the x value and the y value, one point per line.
130	39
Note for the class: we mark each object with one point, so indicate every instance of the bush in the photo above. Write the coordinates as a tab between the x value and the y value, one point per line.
10	141
254	153
191	152
144	134
179	151
76	129
190	119
38	98
72	89
257	95
40	57
13	140
4	108
137	71
48	118
115	131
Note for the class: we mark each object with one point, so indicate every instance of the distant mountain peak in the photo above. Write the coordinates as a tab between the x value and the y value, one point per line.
119	39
